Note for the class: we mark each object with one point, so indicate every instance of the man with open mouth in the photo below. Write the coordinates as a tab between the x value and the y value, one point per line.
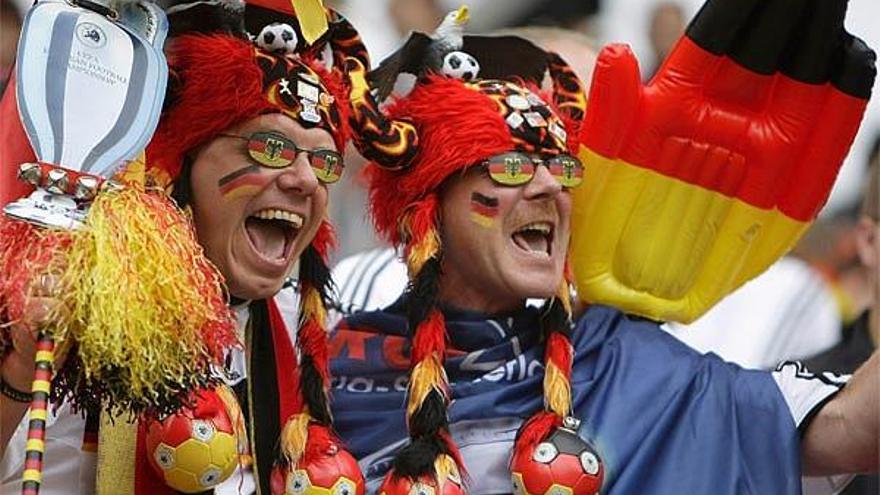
252	140
459	387
249	141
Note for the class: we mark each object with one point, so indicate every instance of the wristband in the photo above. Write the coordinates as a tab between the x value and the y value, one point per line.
13	393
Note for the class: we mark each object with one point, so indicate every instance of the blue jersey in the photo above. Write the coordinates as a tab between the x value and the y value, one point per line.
664	418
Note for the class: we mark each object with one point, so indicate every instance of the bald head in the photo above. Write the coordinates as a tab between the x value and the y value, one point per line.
578	50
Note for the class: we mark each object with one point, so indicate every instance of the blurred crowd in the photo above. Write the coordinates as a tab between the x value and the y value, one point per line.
811	303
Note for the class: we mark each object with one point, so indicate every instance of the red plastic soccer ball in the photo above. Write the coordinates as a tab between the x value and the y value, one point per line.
335	473
425	485
564	464
196	449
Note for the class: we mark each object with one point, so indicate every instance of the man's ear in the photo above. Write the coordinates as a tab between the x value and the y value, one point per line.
868	242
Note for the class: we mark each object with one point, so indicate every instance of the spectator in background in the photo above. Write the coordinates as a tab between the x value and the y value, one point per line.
576	48
10	26
577	16
831	247
861	337
415	15
666	27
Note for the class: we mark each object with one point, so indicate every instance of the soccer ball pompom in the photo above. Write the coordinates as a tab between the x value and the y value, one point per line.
335	473
278	38
460	65
564	464
425	485
195	449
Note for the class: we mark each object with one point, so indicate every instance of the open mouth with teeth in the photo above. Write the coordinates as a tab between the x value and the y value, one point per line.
271	232
535	238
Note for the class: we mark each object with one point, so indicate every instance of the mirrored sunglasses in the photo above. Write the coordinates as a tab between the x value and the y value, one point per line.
514	168
275	150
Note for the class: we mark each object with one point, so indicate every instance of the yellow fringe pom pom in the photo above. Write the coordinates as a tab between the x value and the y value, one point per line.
144	305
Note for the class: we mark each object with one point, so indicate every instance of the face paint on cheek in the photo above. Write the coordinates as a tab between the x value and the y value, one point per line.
242	182
484	209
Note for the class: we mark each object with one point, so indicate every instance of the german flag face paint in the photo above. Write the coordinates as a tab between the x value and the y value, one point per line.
711	172
515	169
275	150
243	182
484	209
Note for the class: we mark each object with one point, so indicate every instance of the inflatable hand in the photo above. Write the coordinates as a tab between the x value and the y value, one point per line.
700	180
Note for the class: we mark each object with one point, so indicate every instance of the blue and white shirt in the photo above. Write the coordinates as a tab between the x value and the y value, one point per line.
664	418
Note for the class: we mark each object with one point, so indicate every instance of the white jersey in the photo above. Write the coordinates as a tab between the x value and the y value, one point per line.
787	312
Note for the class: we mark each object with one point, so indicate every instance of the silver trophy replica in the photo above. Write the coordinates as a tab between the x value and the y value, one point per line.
90	83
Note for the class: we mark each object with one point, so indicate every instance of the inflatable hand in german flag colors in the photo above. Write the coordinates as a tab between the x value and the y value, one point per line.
700	180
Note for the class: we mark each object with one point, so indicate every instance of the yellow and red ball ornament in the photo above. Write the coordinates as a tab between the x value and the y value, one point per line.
450	484
199	447
563	464
333	472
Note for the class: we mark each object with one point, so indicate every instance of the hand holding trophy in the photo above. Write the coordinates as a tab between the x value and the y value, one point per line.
136	305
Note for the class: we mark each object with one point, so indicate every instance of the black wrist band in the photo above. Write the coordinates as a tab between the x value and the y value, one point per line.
14	393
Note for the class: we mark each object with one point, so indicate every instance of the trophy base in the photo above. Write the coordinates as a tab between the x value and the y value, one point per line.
47	210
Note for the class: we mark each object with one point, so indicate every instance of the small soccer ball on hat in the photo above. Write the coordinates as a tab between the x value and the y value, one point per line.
278	38
563	464
425	485
199	447
460	65
334	473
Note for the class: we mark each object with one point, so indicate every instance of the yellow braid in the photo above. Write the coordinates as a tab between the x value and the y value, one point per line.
312	306
426	375
557	391
294	437
444	466
422	251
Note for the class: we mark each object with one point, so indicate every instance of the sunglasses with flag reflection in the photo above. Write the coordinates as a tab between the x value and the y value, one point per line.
275	150
515	168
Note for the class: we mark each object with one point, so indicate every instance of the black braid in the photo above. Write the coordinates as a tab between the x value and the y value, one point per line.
313	271
181	189
431	418
313	391
417	458
554	318
422	293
